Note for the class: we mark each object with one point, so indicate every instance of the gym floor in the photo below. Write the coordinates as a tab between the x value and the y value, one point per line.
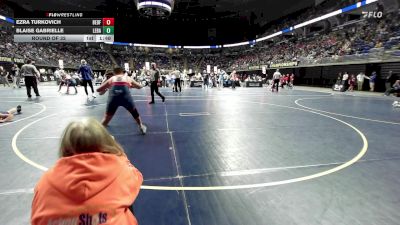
224	157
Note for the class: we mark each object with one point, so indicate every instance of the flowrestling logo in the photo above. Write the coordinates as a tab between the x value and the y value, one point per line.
372	14
64	15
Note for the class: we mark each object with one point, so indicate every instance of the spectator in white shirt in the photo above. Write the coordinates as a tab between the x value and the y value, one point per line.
360	81
176	75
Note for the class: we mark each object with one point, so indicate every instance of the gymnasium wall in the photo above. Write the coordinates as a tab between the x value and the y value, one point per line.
325	76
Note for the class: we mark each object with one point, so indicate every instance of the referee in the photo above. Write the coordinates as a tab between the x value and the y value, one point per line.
277	77
31	76
154	76
87	76
177	83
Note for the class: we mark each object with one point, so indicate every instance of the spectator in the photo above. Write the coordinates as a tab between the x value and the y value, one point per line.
339	79
395	88
93	180
233	79
4	77
372	80
352	82
357	40
390	80
345	82
291	83
16	76
57	75
360	80
177	83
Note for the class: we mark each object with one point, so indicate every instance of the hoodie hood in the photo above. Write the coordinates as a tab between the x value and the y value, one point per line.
83	176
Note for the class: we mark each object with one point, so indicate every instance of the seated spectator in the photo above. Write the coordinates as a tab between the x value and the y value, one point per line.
93	181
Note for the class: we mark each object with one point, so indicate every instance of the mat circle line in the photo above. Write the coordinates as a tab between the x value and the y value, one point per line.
338	114
361	153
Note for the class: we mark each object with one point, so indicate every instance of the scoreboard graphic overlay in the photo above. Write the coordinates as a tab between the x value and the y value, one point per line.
64	27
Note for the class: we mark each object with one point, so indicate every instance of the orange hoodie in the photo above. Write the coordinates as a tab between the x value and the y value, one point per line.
87	189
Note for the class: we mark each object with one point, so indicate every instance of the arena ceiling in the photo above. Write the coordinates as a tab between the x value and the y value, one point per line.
193	22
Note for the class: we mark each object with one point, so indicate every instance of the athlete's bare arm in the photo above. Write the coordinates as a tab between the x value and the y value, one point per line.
136	84
104	87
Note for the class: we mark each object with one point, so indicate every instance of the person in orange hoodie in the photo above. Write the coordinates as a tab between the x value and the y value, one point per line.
92	183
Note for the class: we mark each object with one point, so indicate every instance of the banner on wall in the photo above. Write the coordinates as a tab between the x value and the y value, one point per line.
285	64
19	60
5	59
254	67
8	59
